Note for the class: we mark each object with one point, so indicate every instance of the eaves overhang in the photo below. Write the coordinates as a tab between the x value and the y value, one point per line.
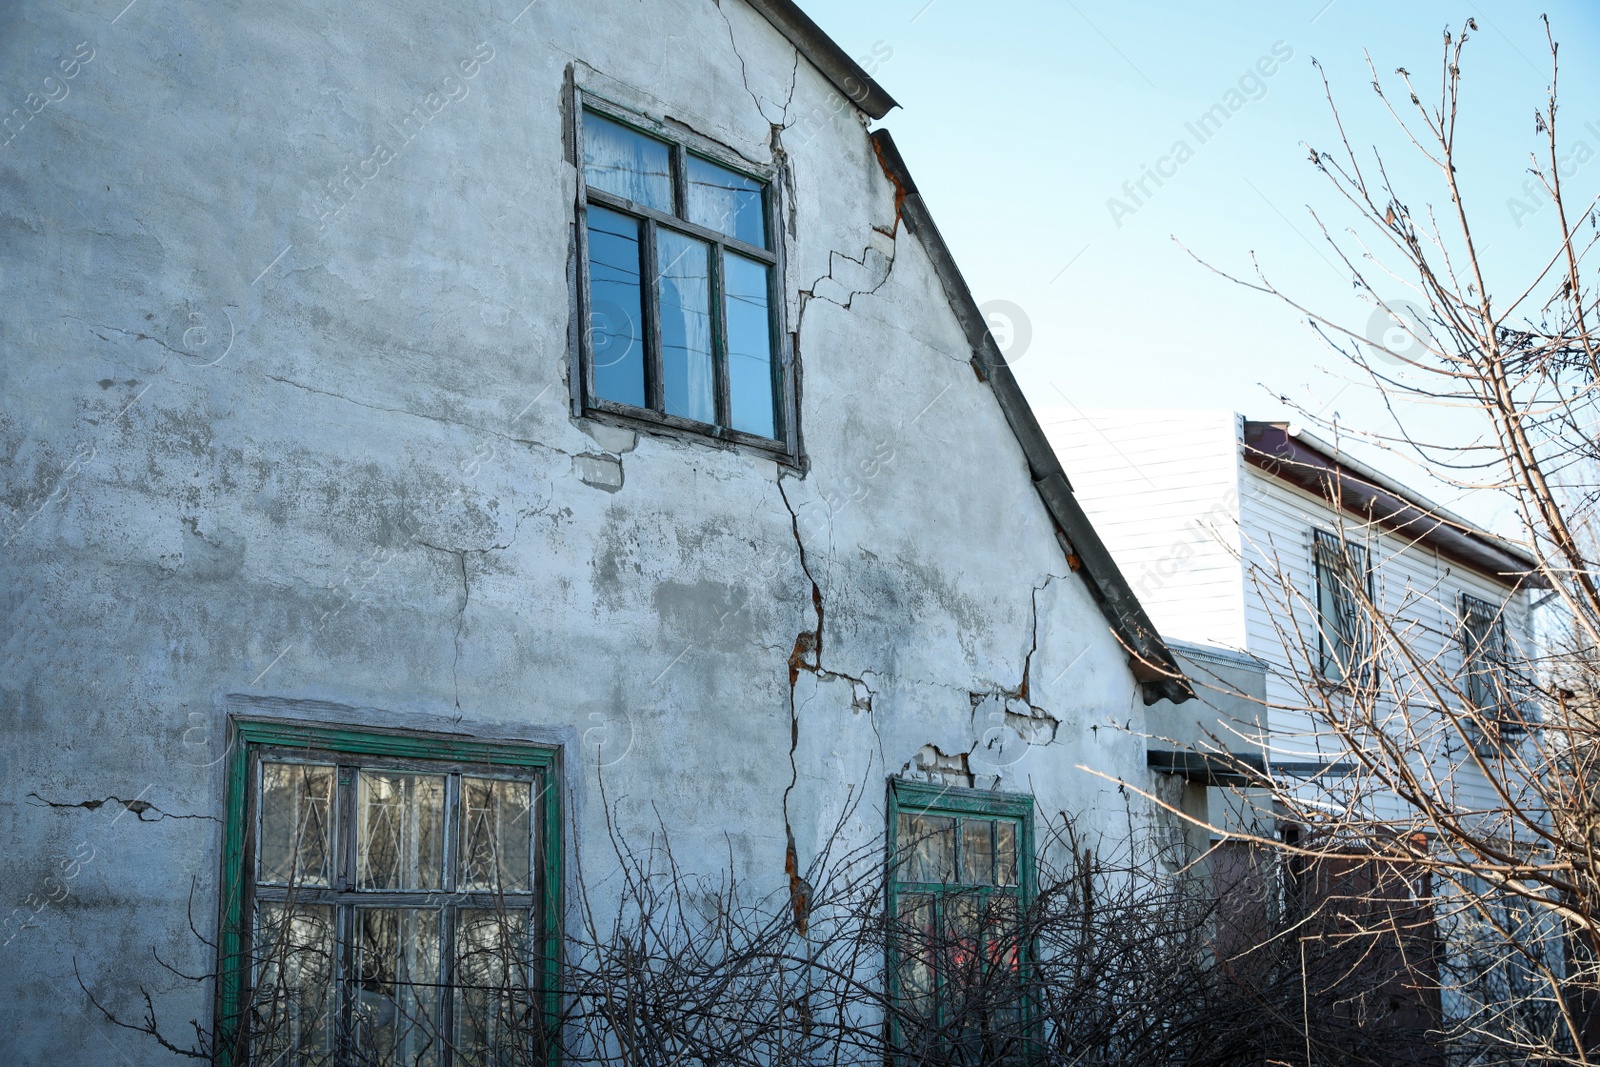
1281	452
822	52
1204	768
1151	661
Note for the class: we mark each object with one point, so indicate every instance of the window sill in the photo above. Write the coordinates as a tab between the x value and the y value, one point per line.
675	428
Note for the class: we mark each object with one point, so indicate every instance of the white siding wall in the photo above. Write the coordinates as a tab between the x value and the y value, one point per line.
1416	588
1162	489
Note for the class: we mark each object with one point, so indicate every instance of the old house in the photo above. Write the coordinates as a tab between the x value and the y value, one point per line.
445	441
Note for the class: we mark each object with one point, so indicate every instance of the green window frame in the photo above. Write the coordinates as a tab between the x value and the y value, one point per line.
385	870
679	291
949	898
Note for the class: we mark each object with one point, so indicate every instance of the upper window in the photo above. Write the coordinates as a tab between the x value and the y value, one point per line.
390	900
1344	632
960	880
680	284
1486	682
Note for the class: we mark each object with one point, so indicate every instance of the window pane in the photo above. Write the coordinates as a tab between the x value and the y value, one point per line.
616	315
395	1013
927	848
1005	853
296	831
497	1017
684	273
977	851
726	202
400	837
496	846
917	940
749	321
626	163
291	1011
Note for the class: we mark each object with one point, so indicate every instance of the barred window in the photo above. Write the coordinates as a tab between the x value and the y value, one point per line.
1486	678
961	876
393	901
1344	631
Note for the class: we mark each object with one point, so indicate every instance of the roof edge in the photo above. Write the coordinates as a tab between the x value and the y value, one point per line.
1152	663
824	53
1283	452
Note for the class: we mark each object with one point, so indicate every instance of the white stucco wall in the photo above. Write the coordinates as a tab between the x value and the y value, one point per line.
263	456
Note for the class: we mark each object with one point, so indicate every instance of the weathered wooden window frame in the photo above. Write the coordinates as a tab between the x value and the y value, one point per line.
250	739
1334	563
928	799
785	445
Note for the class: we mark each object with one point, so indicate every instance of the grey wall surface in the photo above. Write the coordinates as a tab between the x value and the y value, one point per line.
277	449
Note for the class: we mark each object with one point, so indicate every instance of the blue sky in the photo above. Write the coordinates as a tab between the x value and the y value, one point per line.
1022	119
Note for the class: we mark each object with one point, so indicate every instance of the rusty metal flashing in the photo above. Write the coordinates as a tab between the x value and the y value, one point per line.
823	53
1281	452
1151	661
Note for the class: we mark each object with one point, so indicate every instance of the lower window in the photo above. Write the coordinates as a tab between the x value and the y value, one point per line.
390	900
961	872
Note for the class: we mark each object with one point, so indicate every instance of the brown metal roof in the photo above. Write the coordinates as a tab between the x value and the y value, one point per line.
1317	467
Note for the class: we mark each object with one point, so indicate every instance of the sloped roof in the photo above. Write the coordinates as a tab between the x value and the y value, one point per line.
822	52
1291	455
1151	661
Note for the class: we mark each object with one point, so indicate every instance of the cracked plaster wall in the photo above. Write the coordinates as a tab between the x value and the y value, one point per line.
357	493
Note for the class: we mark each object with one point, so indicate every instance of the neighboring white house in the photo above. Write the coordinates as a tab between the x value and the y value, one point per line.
1244	535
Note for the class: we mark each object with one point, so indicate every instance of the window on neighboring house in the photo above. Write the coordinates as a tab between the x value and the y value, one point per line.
680	286
1486	681
1344	632
390	899
961	872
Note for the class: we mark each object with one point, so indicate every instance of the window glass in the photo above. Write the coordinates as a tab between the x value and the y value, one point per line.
680	324
616	308
296	843
927	848
400	832
496	835
1342	631
291	1018
687	368
749	322
494	998
1005	833
626	163
977	851
726	202
396	1001
958	952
